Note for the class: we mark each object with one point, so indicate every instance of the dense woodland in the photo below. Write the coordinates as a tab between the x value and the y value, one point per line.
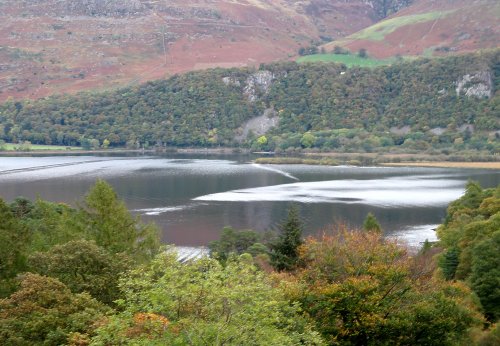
95	275
320	107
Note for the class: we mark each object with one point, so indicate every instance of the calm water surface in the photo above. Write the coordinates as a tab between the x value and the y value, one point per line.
192	198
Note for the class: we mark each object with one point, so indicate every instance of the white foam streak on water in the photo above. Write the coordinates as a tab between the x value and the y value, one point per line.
414	236
40	168
275	170
400	191
49	168
161	210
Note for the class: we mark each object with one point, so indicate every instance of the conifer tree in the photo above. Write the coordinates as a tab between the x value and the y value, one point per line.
449	262
371	224
284	251
107	221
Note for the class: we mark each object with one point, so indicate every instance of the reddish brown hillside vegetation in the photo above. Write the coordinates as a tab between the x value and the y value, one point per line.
51	46
430	27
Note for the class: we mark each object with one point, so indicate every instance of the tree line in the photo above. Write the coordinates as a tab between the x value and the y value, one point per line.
410	105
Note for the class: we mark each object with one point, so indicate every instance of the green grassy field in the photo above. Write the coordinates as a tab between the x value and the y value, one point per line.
35	147
378	31
349	60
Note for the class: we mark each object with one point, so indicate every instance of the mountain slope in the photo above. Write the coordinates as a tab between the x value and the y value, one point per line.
430	27
440	103
55	46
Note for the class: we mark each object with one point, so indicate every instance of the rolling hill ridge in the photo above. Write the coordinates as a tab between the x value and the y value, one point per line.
430	28
49	47
60	46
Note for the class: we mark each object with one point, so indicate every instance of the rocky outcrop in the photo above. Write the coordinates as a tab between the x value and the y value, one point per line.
384	8
466	128
475	85
258	125
231	81
258	83
404	130
437	131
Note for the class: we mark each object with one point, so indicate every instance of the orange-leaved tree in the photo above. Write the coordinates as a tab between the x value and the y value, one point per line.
362	289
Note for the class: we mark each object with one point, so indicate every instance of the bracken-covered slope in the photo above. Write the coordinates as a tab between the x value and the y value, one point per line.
55	46
430	27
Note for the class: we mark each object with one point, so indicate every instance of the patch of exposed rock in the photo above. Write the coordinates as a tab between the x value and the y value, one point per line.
437	131
258	125
231	81
258	83
384	8
466	128
400	130
475	85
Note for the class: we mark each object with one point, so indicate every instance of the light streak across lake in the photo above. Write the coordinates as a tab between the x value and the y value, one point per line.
192	197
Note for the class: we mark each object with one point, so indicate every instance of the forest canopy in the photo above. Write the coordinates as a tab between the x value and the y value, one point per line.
95	275
412	105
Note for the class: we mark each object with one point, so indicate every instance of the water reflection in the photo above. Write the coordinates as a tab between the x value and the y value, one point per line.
193	197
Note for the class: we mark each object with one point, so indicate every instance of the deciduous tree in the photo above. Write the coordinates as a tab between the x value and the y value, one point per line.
14	244
202	302
363	290
83	267
45	312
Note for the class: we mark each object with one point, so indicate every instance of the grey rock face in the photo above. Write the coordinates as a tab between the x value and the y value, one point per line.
230	81
258	82
438	131
400	130
259	125
475	85
384	8
466	127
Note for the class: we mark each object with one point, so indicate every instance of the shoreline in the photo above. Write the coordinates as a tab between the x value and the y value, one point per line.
495	165
327	159
214	151
70	152
387	160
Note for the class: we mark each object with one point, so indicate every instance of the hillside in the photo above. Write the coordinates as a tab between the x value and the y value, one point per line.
52	46
430	28
448	103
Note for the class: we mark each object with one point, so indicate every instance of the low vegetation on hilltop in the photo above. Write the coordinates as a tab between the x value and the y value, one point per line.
429	28
378	32
350	60
52	46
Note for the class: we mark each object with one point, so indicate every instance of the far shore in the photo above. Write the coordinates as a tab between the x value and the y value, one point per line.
72	152
308	158
222	151
446	164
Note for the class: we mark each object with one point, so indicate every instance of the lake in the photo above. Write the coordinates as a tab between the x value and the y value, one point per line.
191	198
